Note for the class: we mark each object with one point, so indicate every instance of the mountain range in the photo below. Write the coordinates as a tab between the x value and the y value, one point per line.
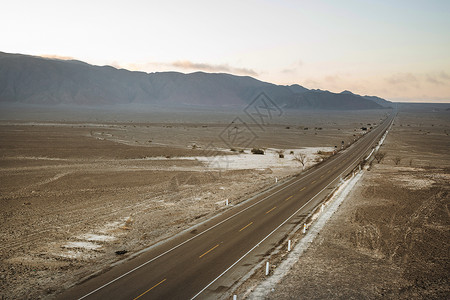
37	80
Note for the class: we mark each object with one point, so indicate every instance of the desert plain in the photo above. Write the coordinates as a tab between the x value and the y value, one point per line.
80	194
390	237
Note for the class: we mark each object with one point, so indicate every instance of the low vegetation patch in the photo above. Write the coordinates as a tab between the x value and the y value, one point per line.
258	151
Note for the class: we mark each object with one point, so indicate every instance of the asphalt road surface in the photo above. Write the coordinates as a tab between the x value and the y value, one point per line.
204	262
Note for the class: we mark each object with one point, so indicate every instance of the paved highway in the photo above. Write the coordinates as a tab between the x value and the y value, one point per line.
204	262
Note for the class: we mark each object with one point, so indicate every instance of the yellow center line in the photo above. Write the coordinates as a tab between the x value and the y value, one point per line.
209	251
303	188
150	289
313	181
245	226
322	176
270	210
288	198
329	171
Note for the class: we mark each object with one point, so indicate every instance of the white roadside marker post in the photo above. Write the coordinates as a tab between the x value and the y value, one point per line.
322	207
289	245
234	297
226	202
304	228
267	268
276	179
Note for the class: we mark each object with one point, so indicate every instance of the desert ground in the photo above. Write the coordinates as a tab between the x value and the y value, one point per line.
390	237
79	194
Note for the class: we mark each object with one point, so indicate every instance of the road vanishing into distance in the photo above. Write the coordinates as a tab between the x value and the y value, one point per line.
204	262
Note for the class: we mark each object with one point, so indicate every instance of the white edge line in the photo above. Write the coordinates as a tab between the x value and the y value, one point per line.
370	154
285	221
188	240
239	212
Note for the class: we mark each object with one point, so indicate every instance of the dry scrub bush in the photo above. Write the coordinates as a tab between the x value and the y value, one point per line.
257	151
379	156
301	158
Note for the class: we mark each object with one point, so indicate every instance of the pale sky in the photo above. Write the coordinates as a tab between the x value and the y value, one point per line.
395	49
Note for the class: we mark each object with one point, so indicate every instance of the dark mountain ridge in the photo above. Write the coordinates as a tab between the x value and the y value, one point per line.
36	80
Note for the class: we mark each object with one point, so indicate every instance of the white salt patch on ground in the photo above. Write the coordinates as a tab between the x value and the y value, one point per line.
170	158
108	227
270	160
82	245
71	254
248	160
221	202
409	169
413	182
97	237
443	176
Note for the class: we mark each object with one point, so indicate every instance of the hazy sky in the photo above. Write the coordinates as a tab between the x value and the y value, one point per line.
399	50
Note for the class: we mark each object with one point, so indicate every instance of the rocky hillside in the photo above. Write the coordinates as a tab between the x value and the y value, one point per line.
41	81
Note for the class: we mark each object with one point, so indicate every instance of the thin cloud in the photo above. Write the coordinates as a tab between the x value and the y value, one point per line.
55	56
289	71
441	78
402	78
186	64
159	66
444	75
315	84
332	78
293	68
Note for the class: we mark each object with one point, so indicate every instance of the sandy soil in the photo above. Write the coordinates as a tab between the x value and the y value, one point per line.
390	238
73	194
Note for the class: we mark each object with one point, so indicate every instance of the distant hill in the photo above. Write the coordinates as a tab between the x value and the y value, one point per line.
380	101
35	80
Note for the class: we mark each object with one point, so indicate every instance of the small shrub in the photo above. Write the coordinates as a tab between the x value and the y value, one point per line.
379	156
257	151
